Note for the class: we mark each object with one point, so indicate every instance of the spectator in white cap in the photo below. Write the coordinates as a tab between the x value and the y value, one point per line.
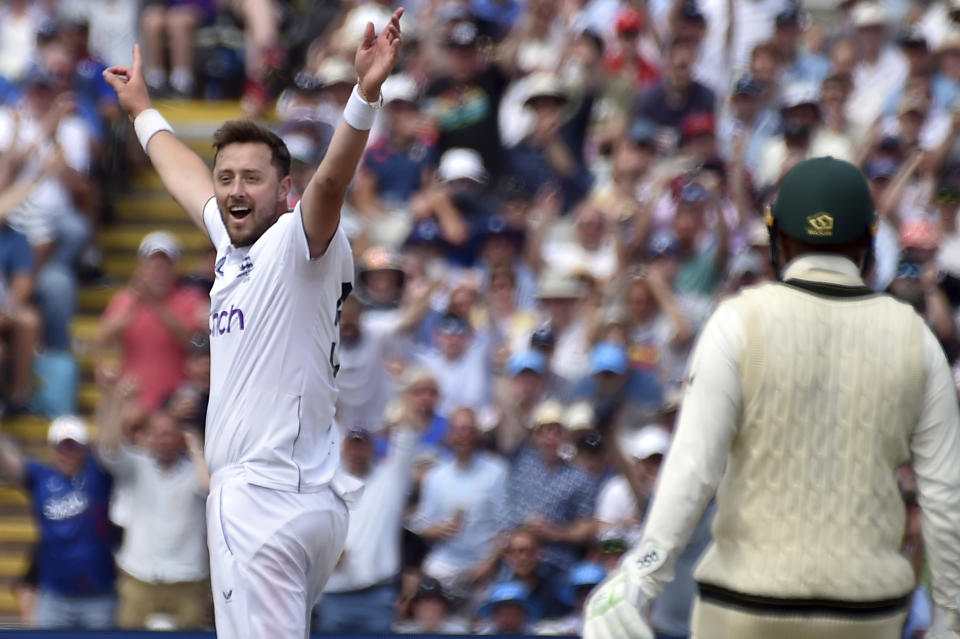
881	67
459	202
75	581
620	504
398	163
803	135
151	323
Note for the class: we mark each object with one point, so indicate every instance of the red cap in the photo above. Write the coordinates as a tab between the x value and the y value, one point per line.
629	20
699	123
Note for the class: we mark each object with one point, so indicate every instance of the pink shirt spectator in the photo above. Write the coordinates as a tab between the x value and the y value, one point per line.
152	353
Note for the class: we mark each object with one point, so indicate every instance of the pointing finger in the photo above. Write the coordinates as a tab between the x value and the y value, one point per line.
137	62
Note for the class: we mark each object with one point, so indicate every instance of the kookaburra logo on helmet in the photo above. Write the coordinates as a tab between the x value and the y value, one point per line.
820	225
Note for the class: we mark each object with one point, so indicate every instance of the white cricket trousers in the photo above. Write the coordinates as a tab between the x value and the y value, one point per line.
271	552
712	621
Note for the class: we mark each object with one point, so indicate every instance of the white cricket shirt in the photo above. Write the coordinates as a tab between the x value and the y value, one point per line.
274	330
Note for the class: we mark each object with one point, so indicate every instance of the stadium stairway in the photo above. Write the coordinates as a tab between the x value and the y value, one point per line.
143	208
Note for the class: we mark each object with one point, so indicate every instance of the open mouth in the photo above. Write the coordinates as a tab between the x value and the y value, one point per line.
240	212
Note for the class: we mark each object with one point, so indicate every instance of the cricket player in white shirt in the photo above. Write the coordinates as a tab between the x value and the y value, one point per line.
276	516
803	398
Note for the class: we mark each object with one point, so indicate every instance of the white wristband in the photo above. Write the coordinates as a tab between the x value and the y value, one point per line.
359	113
148	124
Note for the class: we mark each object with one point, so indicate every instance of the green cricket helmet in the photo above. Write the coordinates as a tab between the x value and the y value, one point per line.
823	201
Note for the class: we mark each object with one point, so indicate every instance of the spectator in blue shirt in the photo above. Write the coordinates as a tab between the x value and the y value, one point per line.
797	65
677	95
552	153
397	164
461	502
19	321
554	500
75	553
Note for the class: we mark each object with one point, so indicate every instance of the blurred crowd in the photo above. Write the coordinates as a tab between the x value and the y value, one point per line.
555	196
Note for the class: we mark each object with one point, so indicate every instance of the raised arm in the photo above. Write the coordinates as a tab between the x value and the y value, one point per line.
324	195
12	465
183	173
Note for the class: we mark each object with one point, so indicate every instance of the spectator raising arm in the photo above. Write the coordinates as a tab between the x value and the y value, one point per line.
327	188
184	175
12	467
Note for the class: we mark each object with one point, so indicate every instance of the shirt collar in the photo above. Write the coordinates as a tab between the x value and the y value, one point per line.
821	267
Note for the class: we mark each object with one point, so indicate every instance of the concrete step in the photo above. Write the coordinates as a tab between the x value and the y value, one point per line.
17	529
12	497
13	564
92	300
148	207
192	113
88	397
120	266
127	238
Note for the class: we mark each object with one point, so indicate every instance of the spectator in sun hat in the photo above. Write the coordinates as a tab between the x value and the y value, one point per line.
561	298
561	518
552	152
152	321
70	499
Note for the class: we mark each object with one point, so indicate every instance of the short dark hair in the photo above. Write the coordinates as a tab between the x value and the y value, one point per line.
243	131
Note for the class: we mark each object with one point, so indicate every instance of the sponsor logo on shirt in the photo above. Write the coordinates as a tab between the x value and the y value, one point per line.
226	321
70	505
245	267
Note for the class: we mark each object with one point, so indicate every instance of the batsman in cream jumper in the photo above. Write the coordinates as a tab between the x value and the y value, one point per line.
800	405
